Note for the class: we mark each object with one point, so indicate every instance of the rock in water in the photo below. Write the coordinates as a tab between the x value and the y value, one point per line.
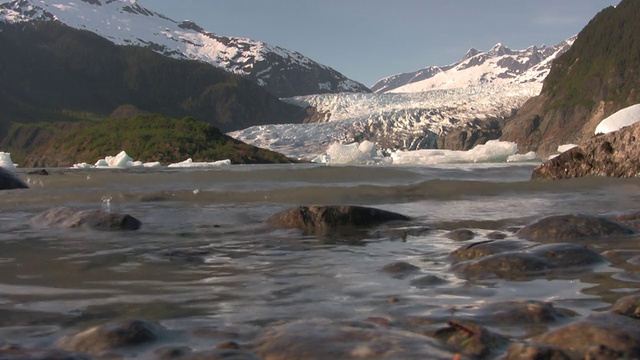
570	227
93	219
9	180
616	154
327	218
103	338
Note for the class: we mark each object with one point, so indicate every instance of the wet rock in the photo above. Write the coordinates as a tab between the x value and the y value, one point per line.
9	180
630	219
485	248
526	262
320	219
616	334
172	352
460	235
42	172
524	351
224	354
628	306
565	255
614	154
520	312
427	281
322	339
15	352
571	227
92	219
100	339
470	339
400	269
496	235
508	265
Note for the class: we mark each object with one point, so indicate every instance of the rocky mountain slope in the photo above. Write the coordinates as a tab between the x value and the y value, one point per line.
595	78
126	22
50	72
498	66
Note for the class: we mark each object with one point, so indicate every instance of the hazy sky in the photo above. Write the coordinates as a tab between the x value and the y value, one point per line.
367	40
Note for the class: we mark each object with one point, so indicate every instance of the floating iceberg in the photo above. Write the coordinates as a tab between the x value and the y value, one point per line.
364	153
625	117
120	161
6	162
189	163
493	151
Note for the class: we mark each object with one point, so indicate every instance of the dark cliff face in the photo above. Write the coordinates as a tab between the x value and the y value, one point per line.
598	76
50	72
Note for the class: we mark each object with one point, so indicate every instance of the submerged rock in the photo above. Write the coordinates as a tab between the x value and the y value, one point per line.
9	180
460	235
322	339
321	219
571	227
486	248
100	339
525	351
15	352
470	339
522	262
600	336
93	219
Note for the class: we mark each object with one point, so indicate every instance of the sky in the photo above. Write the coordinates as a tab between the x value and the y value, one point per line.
367	40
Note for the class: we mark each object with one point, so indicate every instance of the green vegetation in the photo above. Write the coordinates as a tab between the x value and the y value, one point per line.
603	63
145	137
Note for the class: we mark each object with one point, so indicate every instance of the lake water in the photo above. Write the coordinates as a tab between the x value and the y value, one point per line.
204	257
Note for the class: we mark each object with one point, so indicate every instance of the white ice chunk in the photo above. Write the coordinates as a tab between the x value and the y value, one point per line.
530	156
493	151
364	153
625	117
189	163
5	161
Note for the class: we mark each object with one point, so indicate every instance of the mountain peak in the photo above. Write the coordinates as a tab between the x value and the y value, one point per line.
499	50
471	53
126	22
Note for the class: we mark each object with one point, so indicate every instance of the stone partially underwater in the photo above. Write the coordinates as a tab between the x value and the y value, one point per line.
9	180
328	220
64	217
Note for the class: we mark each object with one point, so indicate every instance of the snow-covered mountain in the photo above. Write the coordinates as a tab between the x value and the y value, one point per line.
498	66
412	111
126	22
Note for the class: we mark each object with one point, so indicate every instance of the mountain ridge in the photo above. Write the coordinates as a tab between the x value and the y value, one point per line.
498	65
595	78
282	72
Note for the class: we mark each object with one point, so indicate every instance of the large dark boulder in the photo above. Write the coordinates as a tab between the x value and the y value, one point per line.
571	227
112	336
9	180
322	219
92	219
616	154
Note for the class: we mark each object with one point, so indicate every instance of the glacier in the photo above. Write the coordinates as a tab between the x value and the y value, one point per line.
403	121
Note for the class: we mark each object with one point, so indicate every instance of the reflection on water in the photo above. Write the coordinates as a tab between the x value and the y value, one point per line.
204	256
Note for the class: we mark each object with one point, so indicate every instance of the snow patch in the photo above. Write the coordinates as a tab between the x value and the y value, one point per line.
625	117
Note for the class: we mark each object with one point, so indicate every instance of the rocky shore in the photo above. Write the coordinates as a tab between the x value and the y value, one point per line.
614	154
557	245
